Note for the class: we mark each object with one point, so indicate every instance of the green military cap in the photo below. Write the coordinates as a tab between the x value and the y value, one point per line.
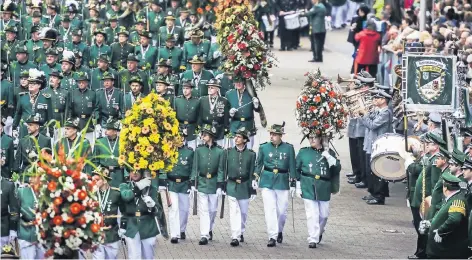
132	57
187	83
165	63
21	49
277	129
467	163
76	32
34	119
100	31
56	73
73	122
214	83
243	132
145	34
37	14
24	74
68	56
53	6
457	157
8	7
183	10
437	139
197	33
35	28
157	2
108	75
141	21
113	18
443	152
451	181
103	172
211	130
94	20
82	76
170	16
192	12
123	31
170	37
104	58
196	60
72	8
113	124
12	29
52	51
162	79
65	19
136	79
93	7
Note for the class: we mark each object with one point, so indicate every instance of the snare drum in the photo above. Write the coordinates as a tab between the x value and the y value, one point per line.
303	21
269	24
292	22
386	161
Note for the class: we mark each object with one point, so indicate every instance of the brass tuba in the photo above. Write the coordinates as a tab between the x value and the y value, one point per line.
341	80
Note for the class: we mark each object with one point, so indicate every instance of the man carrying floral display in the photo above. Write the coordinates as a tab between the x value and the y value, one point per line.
275	161
187	108
207	177
139	216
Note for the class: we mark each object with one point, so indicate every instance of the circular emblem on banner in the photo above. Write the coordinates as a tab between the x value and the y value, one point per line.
430	79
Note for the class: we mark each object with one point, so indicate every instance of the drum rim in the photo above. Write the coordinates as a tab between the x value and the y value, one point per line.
388	134
403	176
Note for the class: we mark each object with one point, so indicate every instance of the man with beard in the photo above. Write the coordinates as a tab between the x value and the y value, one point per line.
97	74
199	76
135	94
131	71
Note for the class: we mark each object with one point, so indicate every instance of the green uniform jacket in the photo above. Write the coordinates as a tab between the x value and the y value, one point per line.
3	24
119	53
110	211
80	47
200	89
125	75
182	23
59	103
316	16
56	20
130	99
83	104
112	35
239	168
16	68
208	168
83	68
68	81
147	57
317	179
25	109
436	196
8	155
8	51
27	203
418	198
96	82
218	117
178	180
187	114
451	223
48	68
274	163
214	63
65	34
190	50
138	217
103	156
79	147
226	82
17	93
113	107
26	146
95	53
244	117
175	54
9	206
156	20
177	31
6	98
414	171
32	47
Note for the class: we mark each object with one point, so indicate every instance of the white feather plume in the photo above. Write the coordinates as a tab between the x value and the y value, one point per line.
67	55
72	2
43	31
6	4
35	73
36	2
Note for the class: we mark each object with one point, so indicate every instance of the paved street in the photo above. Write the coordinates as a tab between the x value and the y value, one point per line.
354	229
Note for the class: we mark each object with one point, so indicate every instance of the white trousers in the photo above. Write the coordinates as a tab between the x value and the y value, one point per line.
8	128
107	251
178	213
237	216
140	249
29	250
4	240
351	9
249	144
338	17
317	213
275	210
207	207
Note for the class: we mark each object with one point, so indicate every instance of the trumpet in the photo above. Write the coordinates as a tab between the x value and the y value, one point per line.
341	80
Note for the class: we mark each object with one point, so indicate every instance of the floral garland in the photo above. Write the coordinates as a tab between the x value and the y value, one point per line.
150	137
68	215
320	110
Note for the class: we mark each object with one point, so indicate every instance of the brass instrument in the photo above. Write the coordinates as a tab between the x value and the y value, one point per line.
341	80
358	99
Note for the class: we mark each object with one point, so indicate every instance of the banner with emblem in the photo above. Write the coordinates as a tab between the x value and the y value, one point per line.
430	83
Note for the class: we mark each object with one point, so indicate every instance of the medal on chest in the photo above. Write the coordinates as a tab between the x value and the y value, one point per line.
311	166
271	154
184	162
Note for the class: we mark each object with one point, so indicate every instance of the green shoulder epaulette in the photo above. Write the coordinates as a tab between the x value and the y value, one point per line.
306	147
115	188
46	95
22	93
457	206
263	143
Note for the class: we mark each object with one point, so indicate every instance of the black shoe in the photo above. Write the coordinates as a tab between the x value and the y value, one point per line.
350	175
312	245
271	243
368	197
375	202
211	236
280	238
312	60
360	185
289	49
203	241
353	181
271	46
319	240
234	242
182	235
174	240
413	257
241	239
281	49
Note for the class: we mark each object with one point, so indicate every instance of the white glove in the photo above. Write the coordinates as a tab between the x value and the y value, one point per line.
437	237
253	197
13	235
216	54
98	129
149	202
146	182
255	185
232	112
121	232
162	188
292	191
15	133
409	160
424	225
192	189
331	160
219	192
298	189
255	101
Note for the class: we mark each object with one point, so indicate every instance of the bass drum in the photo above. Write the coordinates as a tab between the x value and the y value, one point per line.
386	161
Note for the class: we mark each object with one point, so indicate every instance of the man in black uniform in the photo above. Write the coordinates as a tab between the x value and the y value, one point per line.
283	8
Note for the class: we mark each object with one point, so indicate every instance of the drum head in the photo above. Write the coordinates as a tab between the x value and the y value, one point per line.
388	166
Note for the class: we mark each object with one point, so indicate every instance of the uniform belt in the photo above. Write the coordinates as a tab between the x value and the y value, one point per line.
139	214
208	175
27	224
239	180
178	179
317	177
83	116
275	170
242	119
188	122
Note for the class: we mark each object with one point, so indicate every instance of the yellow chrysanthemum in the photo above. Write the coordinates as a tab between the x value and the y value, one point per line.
148	122
143	164
154	138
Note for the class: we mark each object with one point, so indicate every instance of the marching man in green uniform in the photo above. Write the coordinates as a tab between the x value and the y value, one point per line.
187	108
98	73
111	205
136	84
68	66
51	63
27	236
10	211
131	71
437	194
110	101
178	184
214	111
34	43
146	53
276	167
21	64
73	144
161	89
169	51
120	50
98	48
199	76
447	235
7	158
197	46
241	183
317	178
208	178
242	108
140	210
172	29
106	152
59	98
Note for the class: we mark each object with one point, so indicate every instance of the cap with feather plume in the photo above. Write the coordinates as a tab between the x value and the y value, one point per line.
36	76
8	6
68	56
